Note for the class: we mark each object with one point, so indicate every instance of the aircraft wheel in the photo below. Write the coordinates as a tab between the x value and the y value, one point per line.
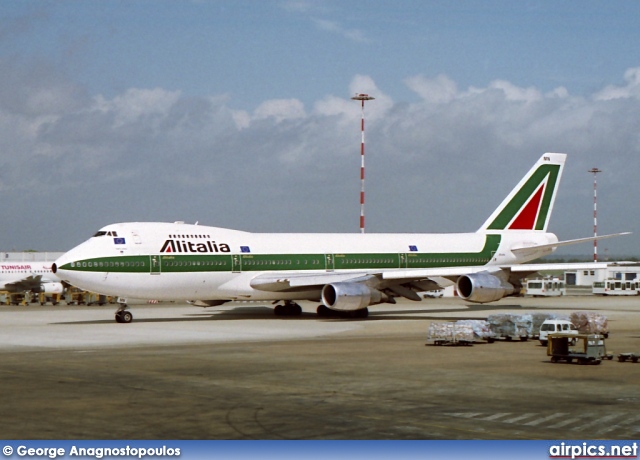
124	316
295	309
288	309
362	313
323	311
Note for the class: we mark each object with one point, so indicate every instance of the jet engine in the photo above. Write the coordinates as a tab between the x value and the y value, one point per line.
483	288
350	296
52	288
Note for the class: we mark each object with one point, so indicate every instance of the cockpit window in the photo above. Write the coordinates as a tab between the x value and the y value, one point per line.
103	233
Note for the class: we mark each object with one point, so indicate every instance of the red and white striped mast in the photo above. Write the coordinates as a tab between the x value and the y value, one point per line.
595	213
362	98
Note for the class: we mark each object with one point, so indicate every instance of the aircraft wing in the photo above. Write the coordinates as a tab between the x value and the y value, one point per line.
29	283
401	282
406	282
284	282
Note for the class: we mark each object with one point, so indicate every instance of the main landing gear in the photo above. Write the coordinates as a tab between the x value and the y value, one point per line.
289	308
123	315
325	312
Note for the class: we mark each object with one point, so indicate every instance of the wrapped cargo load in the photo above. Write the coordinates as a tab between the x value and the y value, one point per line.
450	333
589	322
509	325
480	327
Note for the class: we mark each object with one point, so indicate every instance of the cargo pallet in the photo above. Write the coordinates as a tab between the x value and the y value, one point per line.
633	357
451	343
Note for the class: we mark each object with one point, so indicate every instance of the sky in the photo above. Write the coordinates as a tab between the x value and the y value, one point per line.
238	114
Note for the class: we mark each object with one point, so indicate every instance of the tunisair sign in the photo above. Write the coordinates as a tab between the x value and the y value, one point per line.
190	246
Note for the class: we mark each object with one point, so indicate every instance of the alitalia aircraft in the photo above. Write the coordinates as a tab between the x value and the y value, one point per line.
346	272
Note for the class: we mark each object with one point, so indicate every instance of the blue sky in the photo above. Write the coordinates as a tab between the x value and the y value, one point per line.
309	49
237	114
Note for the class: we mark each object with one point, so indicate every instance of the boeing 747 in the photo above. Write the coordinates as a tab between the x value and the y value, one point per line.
346	272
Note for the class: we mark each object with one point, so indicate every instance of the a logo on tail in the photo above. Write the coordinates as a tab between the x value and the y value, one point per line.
528	215
529	205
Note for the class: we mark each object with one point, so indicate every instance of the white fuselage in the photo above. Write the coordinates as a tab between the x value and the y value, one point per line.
178	261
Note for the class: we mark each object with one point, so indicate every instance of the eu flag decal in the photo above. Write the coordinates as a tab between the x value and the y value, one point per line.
245	249
413	248
119	241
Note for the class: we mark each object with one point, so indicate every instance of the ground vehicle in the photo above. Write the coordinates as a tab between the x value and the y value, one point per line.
548	287
616	287
588	349
552	326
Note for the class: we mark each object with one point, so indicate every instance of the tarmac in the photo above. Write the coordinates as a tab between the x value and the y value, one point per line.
240	372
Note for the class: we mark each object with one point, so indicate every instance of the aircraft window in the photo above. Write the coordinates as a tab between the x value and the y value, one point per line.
100	233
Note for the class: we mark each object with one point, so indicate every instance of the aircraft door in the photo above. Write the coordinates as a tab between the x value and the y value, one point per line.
155	265
329	262
402	257
236	263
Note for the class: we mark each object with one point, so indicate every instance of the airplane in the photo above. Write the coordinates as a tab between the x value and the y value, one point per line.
346	272
34	277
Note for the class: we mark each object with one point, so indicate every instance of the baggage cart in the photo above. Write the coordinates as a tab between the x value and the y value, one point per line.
588	348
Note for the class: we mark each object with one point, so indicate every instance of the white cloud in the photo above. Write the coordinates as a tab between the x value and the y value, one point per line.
630	90
137	103
335	27
280	110
439	90
511	91
440	164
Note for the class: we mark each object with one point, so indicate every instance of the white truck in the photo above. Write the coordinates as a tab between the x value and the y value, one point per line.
555	326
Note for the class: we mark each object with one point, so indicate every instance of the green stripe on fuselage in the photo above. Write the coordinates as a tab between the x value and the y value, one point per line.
190	263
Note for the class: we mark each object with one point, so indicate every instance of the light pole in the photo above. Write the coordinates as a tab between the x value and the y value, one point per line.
595	171
362	98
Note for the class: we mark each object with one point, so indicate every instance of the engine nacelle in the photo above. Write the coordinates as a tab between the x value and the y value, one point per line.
52	288
483	287
350	296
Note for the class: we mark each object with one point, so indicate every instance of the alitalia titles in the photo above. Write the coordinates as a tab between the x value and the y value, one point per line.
170	246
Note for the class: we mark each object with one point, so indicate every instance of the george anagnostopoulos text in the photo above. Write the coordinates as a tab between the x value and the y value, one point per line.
98	452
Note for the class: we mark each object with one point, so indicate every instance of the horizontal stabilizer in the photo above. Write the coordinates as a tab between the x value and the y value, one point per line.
524	251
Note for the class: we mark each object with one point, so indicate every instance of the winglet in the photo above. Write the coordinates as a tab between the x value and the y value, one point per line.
529	205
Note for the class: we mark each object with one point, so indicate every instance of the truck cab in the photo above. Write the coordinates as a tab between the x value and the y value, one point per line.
555	326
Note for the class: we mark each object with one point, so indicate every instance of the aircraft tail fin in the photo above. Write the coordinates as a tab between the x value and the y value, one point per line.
529	205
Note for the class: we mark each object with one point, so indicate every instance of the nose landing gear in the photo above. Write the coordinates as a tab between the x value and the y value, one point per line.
123	315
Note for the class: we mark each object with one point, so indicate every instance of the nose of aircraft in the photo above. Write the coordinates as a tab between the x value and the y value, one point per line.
64	259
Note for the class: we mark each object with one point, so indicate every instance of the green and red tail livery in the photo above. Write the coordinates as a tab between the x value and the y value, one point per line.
529	205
